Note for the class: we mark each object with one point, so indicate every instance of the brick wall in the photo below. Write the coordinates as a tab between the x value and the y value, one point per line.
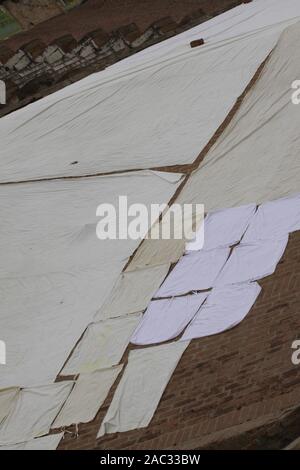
112	14
237	389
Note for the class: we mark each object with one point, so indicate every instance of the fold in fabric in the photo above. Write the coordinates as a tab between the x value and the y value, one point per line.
34	412
224	308
41	443
8	397
196	270
274	220
251	262
166	319
133	291
87	396
224	227
141	387
102	345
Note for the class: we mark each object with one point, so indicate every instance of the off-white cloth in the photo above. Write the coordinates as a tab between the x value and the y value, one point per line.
103	345
141	387
196	270
274	220
251	262
224	227
87	397
41	443
165	319
55	273
131	120
133	291
224	308
256	159
34	412
8	396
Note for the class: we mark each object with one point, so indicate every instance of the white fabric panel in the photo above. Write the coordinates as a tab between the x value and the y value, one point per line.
252	262
133	291
87	397
224	308
130	120
7	398
256	159
224	227
274	220
41	443
197	270
34	412
103	345
141	387
166	319
55	273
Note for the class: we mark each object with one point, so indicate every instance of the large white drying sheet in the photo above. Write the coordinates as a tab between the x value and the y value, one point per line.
141	387
34	412
55	273
252	261
103	345
274	220
87	396
196	270
152	115
165	319
224	308
223	228
133	291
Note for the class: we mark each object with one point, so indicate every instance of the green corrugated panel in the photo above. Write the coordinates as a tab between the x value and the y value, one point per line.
8	24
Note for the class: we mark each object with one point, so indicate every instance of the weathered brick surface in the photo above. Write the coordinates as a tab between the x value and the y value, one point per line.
112	14
238	383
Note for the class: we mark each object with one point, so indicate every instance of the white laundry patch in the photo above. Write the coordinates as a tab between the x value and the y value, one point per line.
34	412
133	291
224	227
103	345
87	397
251	262
41	443
55	273
165	319
274	220
196	270
141	387
8	397
224	308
